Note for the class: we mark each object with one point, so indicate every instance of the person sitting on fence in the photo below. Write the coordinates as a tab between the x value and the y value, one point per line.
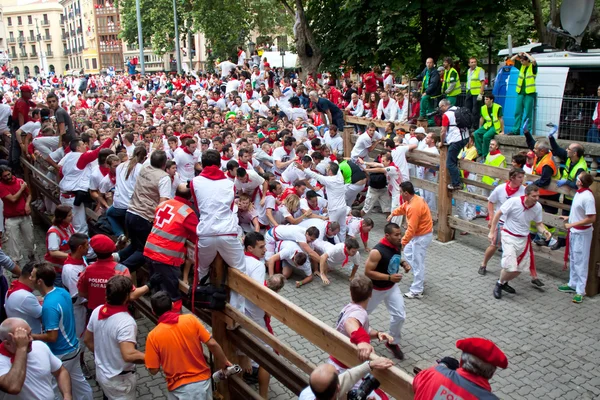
455	138
465	210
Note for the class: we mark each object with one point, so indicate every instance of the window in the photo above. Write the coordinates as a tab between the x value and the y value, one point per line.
31	35
45	17
13	50
49	48
11	35
29	20
94	63
9	19
33	49
20	33
19	21
87	63
47	32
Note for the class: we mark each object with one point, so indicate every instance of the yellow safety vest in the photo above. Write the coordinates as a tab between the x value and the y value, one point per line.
493	119
497	161
569	172
526	73
457	89
475	82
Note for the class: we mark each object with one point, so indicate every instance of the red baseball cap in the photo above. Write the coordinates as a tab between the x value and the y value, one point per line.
484	349
26	88
102	244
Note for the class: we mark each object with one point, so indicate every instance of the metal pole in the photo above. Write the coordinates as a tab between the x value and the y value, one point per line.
140	38
490	60
189	46
177	44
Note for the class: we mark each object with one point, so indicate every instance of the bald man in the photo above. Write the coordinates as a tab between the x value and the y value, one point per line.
325	382
27	365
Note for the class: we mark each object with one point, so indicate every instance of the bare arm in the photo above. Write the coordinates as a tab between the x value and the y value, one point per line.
48	337
139	292
221	360
271	263
88	339
269	214
64	382
323	268
308	250
130	354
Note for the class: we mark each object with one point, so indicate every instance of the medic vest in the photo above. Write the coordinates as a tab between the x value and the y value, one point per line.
166	242
63	235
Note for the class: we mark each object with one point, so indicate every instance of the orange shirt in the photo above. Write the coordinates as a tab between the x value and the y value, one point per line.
177	348
418	218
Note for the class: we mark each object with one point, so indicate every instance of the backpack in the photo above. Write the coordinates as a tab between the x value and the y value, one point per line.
463	118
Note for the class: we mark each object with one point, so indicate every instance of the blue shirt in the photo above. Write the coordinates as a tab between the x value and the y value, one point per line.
57	314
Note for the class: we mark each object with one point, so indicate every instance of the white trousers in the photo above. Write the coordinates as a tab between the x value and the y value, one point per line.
19	238
232	252
395	304
414	253
395	204
579	258
200	390
339	215
352	190
79	219
375	196
80	388
120	387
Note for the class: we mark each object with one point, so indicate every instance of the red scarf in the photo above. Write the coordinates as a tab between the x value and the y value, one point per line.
510	191
213	173
170	317
364	236
6	353
529	165
249	94
287	151
275	197
74	261
247	253
494	152
315	208
243	164
387	243
240	52
104	170
225	158
16	285
113	177
346	257
584	190
523	202
385	103
108	311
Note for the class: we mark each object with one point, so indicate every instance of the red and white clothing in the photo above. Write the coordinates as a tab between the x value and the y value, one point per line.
287	250
319	209
516	244
281	154
253	187
185	163
361	147
255	269
356	108
71	271
279	233
502	193
355	228
337	256
291	174
20	302
335	143
580	239
336	198
386	110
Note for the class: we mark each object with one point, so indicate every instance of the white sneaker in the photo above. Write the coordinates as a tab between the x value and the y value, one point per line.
552	242
411	295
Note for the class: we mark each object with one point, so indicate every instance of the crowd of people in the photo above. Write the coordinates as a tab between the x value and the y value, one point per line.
250	165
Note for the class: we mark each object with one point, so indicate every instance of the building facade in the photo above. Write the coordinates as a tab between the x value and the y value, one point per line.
81	45
33	37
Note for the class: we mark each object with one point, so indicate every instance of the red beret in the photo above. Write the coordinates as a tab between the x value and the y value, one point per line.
26	88
102	244
484	349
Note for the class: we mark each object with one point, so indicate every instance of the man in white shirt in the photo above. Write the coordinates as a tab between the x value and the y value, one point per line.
186	157
252	184
455	138
28	369
226	67
288	256
366	142
339	255
517	254
333	140
284	155
356	107
394	179
386	109
428	174
580	222
113	333
22	303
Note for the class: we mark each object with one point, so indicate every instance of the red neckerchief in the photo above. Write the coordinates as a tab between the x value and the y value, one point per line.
288	152
108	311
364	236
104	170
249	94
385	103
392	164
74	261
387	243
16	285
230	176
170	317
354	103
315	208
523	202
584	190
346	256
6	353
529	165
385	76
225	158
113	177
478	380
243	164
494	152
213	173
287	192
510	191
247	253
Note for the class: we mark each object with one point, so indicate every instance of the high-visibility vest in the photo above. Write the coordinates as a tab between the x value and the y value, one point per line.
425	82
494	161
569	172
475	88
540	164
491	119
166	242
64	234
457	89
526	73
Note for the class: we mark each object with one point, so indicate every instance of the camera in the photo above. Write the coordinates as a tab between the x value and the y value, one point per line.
368	384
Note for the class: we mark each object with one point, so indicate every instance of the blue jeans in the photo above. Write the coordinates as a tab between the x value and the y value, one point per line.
452	160
139	229
116	217
593	136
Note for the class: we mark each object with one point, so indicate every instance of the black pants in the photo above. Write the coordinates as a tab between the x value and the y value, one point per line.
474	106
169	275
138	229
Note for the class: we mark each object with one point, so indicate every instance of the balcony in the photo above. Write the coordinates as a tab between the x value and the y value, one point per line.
49	54
63	19
79	30
45	22
110	30
31	38
67	52
106	10
47	37
12	40
79	49
33	54
64	36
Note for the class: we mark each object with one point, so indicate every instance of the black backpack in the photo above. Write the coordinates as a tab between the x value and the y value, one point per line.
463	118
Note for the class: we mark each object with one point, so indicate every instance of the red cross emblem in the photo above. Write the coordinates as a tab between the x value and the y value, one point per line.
164	215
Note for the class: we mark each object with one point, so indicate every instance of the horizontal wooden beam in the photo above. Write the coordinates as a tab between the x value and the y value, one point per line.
425	185
394	381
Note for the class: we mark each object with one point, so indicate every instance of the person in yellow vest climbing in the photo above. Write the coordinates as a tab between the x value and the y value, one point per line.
451	83
526	91
491	124
474	89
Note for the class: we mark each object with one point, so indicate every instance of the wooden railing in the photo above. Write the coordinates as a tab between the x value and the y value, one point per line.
447	223
289	367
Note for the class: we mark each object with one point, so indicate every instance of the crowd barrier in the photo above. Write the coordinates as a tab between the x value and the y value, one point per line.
234	331
447	223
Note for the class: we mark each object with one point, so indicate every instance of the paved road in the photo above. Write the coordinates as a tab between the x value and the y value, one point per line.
552	344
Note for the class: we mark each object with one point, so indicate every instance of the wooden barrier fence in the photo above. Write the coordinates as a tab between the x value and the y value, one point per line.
447	223
233	330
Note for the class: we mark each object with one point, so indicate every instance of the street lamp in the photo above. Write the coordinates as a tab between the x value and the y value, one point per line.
22	47
282	54
490	43
251	47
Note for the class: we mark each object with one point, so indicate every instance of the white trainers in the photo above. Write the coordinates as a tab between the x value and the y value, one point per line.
411	295
552	242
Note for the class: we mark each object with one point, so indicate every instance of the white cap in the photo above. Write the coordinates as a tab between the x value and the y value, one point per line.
420	129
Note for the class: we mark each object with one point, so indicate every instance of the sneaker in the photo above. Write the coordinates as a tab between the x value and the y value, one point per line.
541	242
566	288
537	282
578	298
411	295
395	349
498	290
558	244
482	270
553	242
116	257
508	289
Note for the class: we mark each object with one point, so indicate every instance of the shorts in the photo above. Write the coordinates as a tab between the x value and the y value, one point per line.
200	390
120	387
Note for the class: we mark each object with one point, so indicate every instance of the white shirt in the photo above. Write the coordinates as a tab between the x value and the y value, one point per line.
124	186
361	147
96	178
583	206
336	255
31	127
336	143
108	334
287	250
387	112
23	304
70	277
130	150
399	158
41	363
499	196
335	186
394	179
279	154
353	224
232	84
226	67
255	269
215	206
45	144
255	181
185	163
5	112
517	218
453	133
321	205
357	109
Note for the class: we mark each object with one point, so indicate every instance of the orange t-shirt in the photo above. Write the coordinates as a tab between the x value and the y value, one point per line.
418	217
177	348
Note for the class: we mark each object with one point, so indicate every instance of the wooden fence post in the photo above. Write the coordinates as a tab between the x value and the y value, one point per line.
593	283
348	132
219	326
445	233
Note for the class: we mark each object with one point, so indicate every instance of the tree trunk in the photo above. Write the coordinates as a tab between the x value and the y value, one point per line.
539	21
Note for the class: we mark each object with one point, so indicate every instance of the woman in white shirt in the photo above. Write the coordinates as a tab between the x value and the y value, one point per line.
126	177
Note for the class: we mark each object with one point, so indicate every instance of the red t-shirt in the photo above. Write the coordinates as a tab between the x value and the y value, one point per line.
371	82
22	106
16	209
93	280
